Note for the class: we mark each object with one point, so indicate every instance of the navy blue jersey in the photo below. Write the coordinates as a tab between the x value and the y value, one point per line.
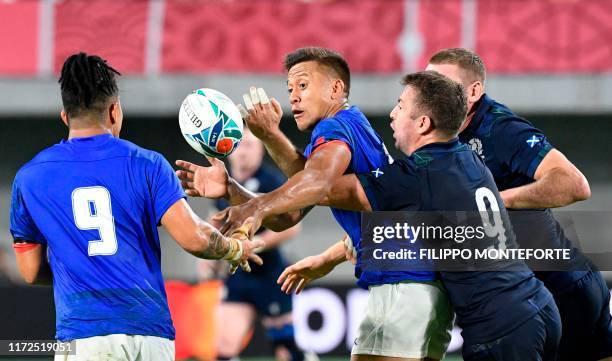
368	154
264	180
450	177
512	148
97	202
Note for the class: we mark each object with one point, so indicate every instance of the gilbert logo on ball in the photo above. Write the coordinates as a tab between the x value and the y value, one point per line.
211	123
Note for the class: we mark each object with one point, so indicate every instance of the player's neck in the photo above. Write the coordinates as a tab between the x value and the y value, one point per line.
336	108
467	122
429	140
471	112
87	132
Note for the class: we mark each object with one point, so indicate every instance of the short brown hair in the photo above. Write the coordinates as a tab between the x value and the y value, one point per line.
326	57
468	61
440	98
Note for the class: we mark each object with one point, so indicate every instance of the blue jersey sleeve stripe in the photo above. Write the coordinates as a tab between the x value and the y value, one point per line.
535	162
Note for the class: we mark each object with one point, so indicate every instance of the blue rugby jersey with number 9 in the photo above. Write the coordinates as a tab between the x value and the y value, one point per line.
97	202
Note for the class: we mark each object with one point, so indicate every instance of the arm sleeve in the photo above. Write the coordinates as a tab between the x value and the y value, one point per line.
391	188
165	187
23	228
519	145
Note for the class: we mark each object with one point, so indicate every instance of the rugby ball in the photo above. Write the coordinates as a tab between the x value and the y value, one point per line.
210	122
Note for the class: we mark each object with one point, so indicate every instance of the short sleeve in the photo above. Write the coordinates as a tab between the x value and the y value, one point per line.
23	228
328	130
519	145
165	187
391	188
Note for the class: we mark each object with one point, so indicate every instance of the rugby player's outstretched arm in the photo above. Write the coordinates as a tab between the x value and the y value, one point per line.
286	156
305	189
300	274
203	240
32	263
347	193
557	183
214	182
263	117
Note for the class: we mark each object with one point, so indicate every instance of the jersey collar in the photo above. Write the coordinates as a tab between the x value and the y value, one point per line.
440	146
94	141
482	107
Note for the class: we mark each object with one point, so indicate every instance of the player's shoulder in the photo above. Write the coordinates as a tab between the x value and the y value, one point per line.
404	166
345	118
50	154
135	151
501	119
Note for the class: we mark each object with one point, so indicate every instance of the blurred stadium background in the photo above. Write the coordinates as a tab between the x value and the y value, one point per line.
549	60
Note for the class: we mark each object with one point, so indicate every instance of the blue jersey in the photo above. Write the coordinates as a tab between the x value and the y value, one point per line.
368	154
264	180
445	177
96	203
512	148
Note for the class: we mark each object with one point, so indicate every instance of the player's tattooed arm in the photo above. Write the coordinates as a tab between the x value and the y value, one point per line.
32	263
203	240
557	183
218	246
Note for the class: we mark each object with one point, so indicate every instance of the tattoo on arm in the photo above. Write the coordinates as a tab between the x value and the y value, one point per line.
217	246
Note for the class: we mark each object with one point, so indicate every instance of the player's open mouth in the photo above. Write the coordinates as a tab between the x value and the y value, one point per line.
297	113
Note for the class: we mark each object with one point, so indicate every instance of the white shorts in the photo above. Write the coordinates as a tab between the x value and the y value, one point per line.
120	347
406	319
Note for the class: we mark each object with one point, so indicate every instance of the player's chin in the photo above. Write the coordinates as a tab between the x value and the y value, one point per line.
301	121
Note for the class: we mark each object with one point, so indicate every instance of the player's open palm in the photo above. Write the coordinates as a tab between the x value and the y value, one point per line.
298	275
199	181
262	114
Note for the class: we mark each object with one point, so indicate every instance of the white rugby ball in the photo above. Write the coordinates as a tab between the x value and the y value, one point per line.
211	123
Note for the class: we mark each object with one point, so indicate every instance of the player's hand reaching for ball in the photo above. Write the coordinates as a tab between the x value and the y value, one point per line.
198	181
298	275
262	114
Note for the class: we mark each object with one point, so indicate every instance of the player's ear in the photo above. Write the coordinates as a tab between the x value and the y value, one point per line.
115	117
475	91
426	125
338	89
64	118
115	113
112	114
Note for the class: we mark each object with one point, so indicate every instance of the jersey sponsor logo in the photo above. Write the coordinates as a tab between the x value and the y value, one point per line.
533	141
377	172
476	146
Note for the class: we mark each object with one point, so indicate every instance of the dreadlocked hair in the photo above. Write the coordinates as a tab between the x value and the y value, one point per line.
87	83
